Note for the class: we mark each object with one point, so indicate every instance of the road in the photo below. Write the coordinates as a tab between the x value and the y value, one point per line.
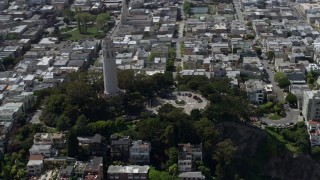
238	10
278	91
180	39
293	115
35	119
115	29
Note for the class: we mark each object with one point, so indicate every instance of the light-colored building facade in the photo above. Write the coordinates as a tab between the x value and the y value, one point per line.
255	91
44	150
311	105
54	139
128	172
140	152
188	154
109	69
35	165
191	175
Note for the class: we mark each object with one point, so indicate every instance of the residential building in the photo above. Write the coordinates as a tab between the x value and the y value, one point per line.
35	165
311	105
296	78
140	152
66	173
188	154
255	91
5	129
44	150
196	175
128	172
54	139
119	147
95	144
313	128
94	169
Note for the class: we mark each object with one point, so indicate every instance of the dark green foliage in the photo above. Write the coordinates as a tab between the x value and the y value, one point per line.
315	152
170	65
79	105
258	51
72	144
270	55
291	99
250	36
187	7
13	166
205	129
298	135
12	36
160	175
224	155
7	61
281	79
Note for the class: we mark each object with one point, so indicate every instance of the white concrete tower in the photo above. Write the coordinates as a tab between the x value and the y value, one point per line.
109	68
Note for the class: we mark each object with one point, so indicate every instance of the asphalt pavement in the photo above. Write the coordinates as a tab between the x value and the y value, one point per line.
277	90
238	10
293	116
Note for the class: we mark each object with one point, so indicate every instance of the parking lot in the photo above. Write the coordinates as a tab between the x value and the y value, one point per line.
186	100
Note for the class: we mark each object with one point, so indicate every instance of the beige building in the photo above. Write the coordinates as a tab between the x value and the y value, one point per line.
35	165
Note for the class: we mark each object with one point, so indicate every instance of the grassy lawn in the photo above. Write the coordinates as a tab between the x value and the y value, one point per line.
75	35
274	117
66	29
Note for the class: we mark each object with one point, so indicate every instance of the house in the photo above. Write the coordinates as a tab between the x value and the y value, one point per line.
95	144
119	147
311	105
94	169
298	91
255	91
313	128
35	165
296	78
188	154
5	129
140	152
160	50
128	172
9	111
54	139
44	150
196	175
66	173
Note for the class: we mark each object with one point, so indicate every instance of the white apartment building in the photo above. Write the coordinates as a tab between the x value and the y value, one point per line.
311	105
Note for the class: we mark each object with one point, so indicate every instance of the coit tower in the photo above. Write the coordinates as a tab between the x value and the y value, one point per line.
109	68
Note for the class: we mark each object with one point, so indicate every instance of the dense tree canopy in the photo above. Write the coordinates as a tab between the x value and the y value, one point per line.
77	107
281	79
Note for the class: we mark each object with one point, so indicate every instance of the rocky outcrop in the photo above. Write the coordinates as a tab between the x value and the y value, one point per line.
294	168
245	137
249	141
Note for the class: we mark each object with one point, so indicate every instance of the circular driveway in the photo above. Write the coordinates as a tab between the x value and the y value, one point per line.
192	101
